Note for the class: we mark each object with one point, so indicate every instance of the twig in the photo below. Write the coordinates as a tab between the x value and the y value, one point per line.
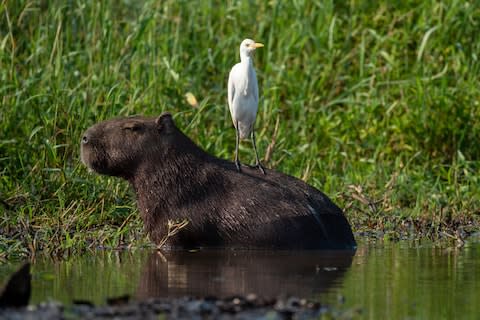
173	227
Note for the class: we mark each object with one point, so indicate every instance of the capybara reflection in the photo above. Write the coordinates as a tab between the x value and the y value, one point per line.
175	180
225	273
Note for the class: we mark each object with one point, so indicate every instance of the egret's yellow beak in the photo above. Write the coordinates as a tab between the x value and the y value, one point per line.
257	45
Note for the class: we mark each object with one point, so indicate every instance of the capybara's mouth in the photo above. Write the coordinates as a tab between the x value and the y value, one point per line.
91	160
99	167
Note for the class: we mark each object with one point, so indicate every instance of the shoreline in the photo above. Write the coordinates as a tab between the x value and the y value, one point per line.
365	229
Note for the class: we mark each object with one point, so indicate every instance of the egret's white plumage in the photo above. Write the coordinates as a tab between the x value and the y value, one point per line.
243	96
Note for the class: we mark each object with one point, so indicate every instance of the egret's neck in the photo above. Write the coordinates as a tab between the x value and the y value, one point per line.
246	59
246	62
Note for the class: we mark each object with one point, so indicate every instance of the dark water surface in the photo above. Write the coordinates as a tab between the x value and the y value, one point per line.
398	281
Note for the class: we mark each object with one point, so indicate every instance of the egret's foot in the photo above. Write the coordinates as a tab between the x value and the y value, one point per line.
259	166
238	165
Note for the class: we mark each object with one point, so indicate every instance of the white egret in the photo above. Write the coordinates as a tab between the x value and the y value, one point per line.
243	97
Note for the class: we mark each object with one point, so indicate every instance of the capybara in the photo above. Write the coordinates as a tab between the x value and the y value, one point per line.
175	180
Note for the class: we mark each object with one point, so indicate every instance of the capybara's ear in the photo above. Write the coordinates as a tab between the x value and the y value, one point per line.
165	122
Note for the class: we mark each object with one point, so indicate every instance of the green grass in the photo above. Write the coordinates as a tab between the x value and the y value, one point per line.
373	102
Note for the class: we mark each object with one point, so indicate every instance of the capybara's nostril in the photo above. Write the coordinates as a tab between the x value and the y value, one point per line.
85	139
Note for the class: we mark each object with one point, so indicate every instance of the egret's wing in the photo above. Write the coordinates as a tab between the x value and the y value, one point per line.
231	91
254	83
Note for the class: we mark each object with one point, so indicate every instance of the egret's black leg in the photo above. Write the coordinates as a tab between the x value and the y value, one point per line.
237	161
258	164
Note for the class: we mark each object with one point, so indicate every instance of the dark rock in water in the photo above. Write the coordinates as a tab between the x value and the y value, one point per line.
79	302
238	307
177	181
116	301
16	292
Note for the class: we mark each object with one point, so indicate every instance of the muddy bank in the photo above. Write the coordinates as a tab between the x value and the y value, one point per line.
456	230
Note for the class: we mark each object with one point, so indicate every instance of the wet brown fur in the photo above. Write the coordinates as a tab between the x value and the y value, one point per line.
175	179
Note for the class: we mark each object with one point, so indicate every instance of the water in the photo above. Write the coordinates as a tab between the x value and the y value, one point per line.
397	281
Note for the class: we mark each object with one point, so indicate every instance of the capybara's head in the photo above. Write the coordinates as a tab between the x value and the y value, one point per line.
117	147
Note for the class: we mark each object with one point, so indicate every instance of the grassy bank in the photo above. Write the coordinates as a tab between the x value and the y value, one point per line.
376	105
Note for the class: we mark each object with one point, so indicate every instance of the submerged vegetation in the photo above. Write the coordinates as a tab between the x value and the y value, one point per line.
378	105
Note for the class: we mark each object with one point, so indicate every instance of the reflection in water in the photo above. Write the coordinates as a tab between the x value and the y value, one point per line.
226	273
396	281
